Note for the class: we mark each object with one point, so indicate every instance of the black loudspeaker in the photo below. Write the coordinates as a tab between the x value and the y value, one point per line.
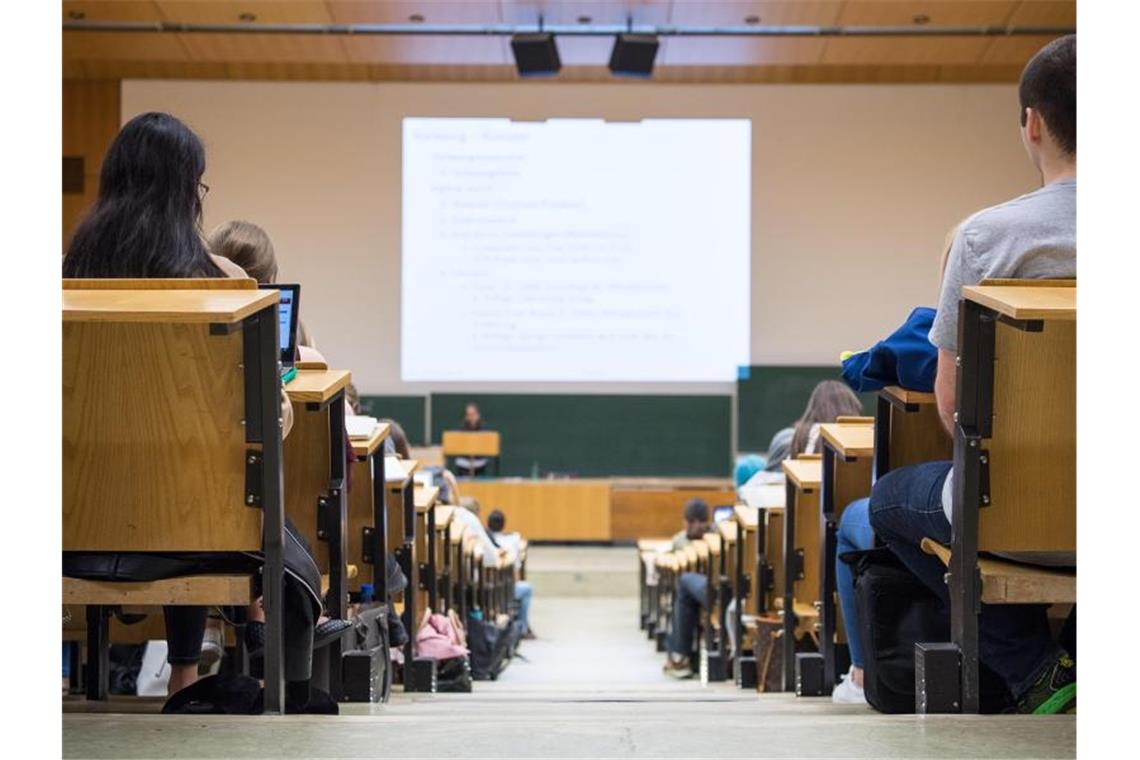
633	55
536	55
809	674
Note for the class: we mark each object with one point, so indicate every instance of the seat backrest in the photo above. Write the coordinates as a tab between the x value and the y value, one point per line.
471	443
1033	446
154	446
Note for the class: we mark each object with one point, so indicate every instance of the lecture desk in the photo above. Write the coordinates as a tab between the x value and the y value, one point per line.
367	513
460	568
801	539
315	498
400	484
442	538
908	431
847	448
424	498
647	551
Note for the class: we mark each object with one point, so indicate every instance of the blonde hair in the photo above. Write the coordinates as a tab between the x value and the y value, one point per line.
248	246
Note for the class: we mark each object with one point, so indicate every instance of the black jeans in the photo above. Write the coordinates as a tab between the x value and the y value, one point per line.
185	625
1014	640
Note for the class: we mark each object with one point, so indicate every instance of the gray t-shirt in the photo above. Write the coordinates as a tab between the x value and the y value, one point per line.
1033	237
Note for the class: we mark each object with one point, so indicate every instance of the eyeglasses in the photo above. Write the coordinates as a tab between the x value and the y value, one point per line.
203	189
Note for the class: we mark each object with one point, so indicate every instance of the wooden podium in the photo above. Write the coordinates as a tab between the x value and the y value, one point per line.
472	443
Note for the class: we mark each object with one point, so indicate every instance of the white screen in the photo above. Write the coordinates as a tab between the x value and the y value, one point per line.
576	250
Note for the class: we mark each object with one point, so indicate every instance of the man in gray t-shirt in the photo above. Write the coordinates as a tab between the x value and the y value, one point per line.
1030	237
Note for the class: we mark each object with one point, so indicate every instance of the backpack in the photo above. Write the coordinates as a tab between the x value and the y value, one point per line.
490	647
897	611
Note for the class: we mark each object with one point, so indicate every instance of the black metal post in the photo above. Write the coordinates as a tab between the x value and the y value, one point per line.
98	653
789	642
828	544
380	528
263	424
433	562
881	459
338	535
761	602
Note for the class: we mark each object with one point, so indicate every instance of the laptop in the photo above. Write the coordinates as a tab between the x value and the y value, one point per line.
288	307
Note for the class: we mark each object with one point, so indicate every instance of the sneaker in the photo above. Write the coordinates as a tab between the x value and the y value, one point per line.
529	635
1055	691
213	648
846	692
678	667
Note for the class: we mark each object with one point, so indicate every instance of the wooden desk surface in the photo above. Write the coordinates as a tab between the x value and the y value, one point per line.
425	498
1045	301
195	306
748	517
850	439
443	515
654	544
727	530
456	529
713	542
805	473
906	396
364	447
161	283
398	472
316	386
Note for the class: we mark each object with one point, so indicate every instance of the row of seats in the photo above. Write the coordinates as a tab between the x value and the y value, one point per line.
1015	451
173	442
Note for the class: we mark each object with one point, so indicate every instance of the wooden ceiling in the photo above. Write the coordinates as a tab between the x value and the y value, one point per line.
122	55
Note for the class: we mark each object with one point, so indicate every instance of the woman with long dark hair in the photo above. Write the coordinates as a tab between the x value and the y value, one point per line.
146	223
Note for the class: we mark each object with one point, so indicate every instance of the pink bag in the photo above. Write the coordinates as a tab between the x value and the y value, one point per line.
438	639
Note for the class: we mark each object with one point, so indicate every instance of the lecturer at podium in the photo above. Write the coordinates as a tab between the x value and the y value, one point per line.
472	420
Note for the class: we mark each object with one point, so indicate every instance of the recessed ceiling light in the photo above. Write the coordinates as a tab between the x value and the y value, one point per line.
416	18
752	20
584	19
77	15
922	18
247	17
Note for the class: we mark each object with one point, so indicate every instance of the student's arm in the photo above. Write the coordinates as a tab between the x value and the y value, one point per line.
946	388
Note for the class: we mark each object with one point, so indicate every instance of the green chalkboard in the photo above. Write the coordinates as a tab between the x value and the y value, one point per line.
769	398
600	435
406	410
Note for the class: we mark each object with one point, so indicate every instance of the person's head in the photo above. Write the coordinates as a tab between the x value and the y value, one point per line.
496	521
829	400
471	417
352	398
248	246
146	220
696	516
398	438
1047	94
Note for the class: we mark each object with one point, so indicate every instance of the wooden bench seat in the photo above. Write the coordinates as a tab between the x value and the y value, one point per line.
189	590
1007	582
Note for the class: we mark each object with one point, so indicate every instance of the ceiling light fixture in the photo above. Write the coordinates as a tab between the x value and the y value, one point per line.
416	18
752	20
247	17
921	18
536	54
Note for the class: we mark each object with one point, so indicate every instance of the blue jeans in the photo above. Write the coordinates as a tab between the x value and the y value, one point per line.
854	534
1014	640
691	595
523	593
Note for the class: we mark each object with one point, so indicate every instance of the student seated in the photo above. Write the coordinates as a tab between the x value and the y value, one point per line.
248	246
472	420
496	524
690	596
1033	236
146	223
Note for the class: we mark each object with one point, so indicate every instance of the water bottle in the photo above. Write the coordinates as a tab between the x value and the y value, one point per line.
534	470
366	593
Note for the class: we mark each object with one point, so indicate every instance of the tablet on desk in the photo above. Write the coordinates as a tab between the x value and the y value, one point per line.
288	309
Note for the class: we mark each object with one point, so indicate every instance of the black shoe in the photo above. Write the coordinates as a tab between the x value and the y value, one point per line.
329	631
1055	691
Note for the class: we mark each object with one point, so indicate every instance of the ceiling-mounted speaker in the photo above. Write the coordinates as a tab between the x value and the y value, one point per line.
536	55
633	55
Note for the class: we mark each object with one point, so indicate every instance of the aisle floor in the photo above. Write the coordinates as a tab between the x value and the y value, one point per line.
591	687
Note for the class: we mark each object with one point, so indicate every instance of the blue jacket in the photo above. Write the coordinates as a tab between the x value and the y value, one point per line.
905	358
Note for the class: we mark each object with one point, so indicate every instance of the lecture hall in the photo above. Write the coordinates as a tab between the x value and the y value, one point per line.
570	378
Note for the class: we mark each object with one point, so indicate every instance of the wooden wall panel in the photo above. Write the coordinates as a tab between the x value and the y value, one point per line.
656	513
547	510
90	122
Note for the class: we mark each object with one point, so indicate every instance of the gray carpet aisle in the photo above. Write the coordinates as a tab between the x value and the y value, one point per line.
592	687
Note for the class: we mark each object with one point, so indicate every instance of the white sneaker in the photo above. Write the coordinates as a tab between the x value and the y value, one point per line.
846	692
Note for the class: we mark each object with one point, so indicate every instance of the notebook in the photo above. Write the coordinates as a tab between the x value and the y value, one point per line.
288	308
360	427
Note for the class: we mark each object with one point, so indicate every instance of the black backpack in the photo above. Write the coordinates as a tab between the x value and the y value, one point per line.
490	647
897	611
